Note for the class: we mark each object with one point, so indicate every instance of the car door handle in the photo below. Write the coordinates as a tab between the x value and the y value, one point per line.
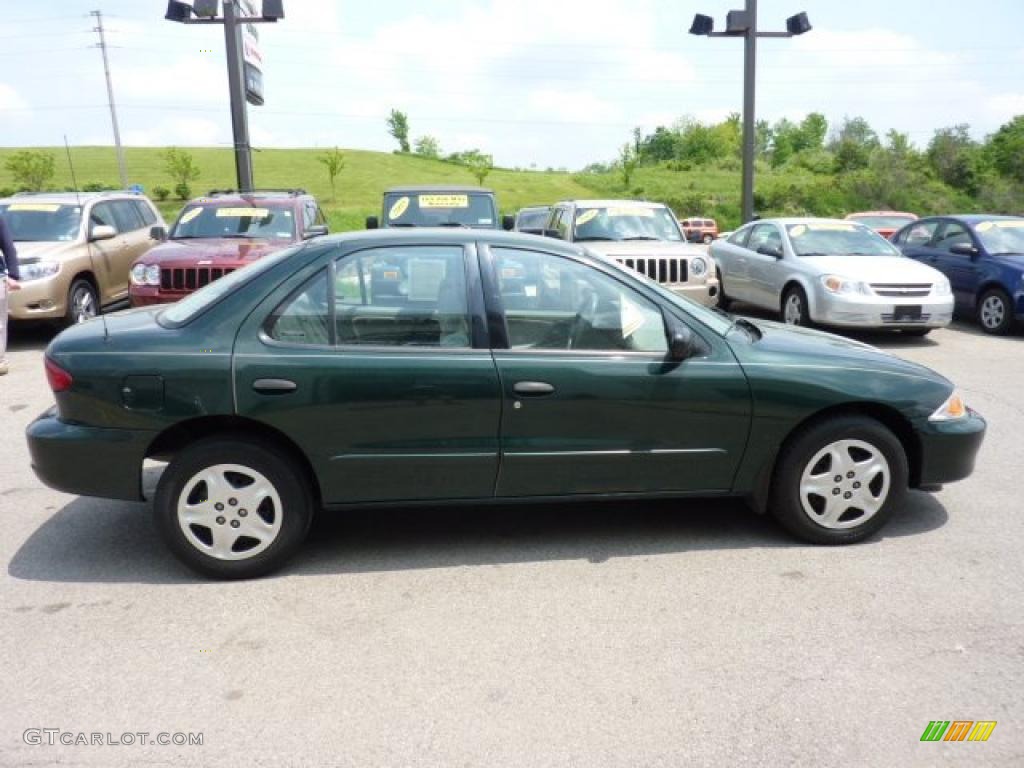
274	386
533	388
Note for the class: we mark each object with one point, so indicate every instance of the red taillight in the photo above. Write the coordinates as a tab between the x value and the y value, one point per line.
59	379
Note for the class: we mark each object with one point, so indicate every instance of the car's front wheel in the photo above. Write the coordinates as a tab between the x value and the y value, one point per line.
838	480
794	307
233	508
707	239
995	312
83	303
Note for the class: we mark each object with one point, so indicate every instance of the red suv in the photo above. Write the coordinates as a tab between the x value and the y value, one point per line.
217	234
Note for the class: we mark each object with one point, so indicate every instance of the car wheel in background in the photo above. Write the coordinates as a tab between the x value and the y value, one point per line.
233	508
837	481
707	239
83	303
794	307
995	312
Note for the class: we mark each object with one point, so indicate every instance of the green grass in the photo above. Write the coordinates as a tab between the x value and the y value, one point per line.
359	186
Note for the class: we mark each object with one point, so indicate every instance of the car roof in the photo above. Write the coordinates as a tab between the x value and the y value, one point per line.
247	198
71	198
904	214
535	208
610	203
459	235
975	218
788	220
437	188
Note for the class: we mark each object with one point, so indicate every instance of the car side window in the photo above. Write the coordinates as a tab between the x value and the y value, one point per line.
102	215
303	318
740	238
403	296
765	238
561	223
145	213
953	233
127	216
919	234
319	218
552	302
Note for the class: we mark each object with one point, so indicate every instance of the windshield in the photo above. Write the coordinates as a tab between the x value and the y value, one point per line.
883	222
827	238
207	296
42	222
626	223
235	220
532	219
437	209
1003	236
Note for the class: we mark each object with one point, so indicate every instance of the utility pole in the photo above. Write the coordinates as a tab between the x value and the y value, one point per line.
744	24
236	89
110	99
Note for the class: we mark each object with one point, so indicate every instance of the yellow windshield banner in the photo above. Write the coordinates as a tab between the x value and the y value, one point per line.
831	227
190	214
37	207
444	201
644	213
401	206
798	230
586	216
1016	224
242	213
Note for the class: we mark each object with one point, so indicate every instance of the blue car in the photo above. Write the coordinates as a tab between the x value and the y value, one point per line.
983	257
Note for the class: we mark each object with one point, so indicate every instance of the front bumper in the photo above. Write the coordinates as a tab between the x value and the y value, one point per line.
44	299
881	311
148	295
949	449
88	461
705	293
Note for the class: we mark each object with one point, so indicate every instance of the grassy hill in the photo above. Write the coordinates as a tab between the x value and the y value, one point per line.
362	182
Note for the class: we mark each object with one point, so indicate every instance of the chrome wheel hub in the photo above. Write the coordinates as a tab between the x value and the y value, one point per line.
992	312
229	511
793	310
845	484
82	306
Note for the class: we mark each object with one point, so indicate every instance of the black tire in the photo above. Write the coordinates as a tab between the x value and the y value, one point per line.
918	332
994	312
723	302
786	502
707	239
83	303
802	316
287	479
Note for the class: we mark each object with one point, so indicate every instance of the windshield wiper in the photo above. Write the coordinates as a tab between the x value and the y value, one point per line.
404	224
590	239
453	224
642	237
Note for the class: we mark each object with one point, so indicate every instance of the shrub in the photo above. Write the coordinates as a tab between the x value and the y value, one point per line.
31	169
161	193
95	186
183	191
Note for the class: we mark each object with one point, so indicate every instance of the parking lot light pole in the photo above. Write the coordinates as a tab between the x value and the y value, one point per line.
744	24
205	12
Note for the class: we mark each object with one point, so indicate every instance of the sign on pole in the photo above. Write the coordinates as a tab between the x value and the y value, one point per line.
252	56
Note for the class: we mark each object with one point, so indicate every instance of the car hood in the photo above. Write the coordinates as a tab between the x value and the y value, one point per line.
632	248
29	252
874	269
789	345
214	250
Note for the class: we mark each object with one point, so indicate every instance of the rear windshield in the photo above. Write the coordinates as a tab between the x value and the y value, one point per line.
440	209
883	222
260	222
198	302
42	222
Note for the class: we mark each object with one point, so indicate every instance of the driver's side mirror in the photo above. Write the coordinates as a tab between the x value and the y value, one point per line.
314	230
157	233
681	344
964	249
102	232
372	222
769	250
508	222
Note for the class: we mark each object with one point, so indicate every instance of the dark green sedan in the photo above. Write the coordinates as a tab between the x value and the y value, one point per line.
456	365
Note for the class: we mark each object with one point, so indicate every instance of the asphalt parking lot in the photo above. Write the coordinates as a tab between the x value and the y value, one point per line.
656	634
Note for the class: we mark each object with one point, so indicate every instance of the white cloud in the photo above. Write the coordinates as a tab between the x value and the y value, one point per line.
11	99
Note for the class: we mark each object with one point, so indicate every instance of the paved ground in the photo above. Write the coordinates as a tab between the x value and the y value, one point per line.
589	635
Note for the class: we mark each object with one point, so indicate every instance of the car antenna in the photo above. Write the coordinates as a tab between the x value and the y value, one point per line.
74	181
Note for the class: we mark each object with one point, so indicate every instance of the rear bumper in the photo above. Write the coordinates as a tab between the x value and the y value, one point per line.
87	461
949	449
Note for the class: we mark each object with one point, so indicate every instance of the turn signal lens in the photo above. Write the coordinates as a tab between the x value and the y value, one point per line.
953	408
59	379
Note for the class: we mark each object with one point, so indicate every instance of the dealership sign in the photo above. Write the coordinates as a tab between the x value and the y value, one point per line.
252	55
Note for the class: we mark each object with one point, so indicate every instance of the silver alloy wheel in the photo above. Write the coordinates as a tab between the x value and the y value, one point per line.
792	313
83	306
230	512
993	310
845	484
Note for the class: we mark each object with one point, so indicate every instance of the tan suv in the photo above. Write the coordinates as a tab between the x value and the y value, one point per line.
75	250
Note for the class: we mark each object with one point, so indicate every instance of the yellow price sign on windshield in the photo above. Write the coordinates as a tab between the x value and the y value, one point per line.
37	207
444	201
644	213
586	216
242	213
190	214
401	206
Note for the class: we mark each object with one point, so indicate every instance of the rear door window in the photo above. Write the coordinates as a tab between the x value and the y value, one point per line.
127	216
145	212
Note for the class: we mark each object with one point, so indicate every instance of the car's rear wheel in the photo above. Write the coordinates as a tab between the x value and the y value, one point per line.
794	307
723	302
83	303
707	239
839	480
232	508
995	312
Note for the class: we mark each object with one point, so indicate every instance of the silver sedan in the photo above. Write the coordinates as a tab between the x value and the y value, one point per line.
830	272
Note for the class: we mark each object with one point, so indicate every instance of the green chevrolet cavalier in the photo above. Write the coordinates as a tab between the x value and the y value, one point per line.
468	366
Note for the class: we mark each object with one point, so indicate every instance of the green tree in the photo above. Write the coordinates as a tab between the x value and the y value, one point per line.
334	161
627	163
479	164
428	146
853	143
32	169
1006	148
658	147
955	158
182	168
812	132
398	127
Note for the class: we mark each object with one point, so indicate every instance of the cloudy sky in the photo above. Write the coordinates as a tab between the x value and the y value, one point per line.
553	83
